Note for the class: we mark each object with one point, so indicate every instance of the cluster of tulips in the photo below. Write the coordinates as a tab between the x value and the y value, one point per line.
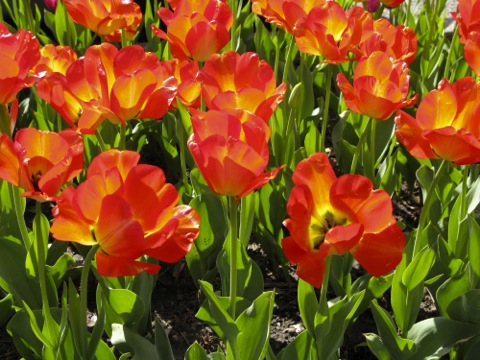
238	125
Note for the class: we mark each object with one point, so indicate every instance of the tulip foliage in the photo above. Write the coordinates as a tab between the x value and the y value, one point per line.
176	137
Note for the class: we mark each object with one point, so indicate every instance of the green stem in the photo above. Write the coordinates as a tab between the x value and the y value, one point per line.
463	207
328	86
100	141
288	60
181	140
5	120
422	222
41	257
17	203
359	148
233	41
326	277
84	284
123	131
233	255
371	167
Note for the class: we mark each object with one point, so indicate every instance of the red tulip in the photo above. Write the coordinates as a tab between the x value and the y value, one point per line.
380	86
51	4
398	42
230	149
107	18
130	211
54	59
284	13
196	29
447	124
189	87
41	162
112	84
326	32
333	216
19	53
231	81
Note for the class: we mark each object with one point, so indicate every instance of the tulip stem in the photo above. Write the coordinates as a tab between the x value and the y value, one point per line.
84	292
288	61
233	255
422	222
181	140
359	148
5	120
100	141
233	31
328	86
15	191
41	257
123	131
371	166
463	207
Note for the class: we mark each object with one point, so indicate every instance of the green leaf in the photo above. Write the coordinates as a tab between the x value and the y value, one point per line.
162	344
57	272
127	340
452	289
13	277
213	230
219	313
473	251
196	352
307	304
254	327
7	309
77	320
418	269
466	307
435	337
299	349
377	347
397	347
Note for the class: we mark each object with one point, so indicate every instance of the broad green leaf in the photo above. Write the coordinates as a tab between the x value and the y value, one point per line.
377	347
418	269
436	336
254	327
398	347
6	309
127	340
162	344
466	307
473	251
299	349
307	304
452	289
196	352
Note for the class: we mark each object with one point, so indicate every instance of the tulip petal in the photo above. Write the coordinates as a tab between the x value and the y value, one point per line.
116	266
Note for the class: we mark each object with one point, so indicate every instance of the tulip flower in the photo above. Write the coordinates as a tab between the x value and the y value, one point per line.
373	5
129	211
284	13
106	18
231	81
41	162
380	87
468	20
110	84
19	53
230	148
398	42
447	123
54	59
333	216
189	87
196	29
392	3
326	32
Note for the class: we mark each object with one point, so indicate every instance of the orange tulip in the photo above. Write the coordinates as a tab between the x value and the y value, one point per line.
326	32
189	87
54	59
196	29
398	42
468	20
380	86
41	162
447	123
230	149
19	53
333	216
284	13
107	18
130	211
112	84
231	81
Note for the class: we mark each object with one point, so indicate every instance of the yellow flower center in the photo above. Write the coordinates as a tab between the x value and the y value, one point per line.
319	226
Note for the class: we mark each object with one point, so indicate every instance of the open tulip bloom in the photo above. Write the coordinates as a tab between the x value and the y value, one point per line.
231	81
131	84
380	86
230	149
196	29
106	18
447	123
41	162
129	211
333	216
